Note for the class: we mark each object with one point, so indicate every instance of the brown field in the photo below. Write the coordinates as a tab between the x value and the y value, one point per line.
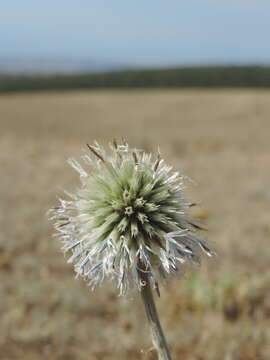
221	139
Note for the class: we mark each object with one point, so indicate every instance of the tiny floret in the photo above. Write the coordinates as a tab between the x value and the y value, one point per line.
129	215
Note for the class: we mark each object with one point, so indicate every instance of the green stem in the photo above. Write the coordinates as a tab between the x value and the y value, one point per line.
158	337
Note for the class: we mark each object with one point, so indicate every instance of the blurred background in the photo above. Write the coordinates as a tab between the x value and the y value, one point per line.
192	78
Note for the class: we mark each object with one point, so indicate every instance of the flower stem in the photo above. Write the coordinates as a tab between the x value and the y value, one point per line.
158	337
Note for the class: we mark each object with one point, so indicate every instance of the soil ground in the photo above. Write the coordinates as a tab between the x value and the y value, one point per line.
220	310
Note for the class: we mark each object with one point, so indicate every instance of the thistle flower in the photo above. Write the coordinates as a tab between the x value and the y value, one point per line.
129	216
128	222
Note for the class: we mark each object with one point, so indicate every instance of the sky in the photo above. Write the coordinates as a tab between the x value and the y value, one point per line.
140	32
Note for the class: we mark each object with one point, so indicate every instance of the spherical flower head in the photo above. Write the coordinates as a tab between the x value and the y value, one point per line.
129	215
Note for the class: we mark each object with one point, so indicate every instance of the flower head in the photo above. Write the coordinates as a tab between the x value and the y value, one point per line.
129	215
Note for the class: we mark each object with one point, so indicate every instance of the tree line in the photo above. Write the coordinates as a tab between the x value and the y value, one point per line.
184	77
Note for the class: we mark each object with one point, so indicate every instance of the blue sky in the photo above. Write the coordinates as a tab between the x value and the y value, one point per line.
138	32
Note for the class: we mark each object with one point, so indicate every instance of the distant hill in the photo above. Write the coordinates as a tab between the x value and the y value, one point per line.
53	65
211	76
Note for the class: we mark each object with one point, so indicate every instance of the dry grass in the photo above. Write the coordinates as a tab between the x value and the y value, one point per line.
220	139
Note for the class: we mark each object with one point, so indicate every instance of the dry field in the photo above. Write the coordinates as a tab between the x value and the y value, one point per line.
221	139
